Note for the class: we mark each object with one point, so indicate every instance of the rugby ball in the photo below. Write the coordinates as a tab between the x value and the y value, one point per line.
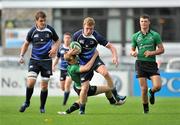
76	45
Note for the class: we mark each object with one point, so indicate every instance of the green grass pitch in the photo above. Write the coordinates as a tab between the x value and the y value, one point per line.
166	111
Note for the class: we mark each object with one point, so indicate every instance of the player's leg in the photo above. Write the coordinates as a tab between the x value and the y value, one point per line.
83	96
29	91
46	71
31	80
75	106
95	90
68	82
44	93
156	81
103	71
144	89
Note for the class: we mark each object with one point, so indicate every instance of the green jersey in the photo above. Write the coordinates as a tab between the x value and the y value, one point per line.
144	43
74	72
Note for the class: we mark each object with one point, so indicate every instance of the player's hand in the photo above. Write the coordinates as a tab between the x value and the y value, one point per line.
74	51
148	53
52	53
115	61
21	60
133	53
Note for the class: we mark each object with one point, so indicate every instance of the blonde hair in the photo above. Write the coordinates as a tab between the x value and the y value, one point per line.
67	57
89	21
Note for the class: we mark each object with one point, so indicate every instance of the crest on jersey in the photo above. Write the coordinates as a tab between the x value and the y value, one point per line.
151	38
91	42
139	39
47	35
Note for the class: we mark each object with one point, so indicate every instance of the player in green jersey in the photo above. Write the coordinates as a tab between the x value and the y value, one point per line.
149	44
74	70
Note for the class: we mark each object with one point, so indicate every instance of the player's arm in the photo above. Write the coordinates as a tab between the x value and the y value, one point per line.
88	65
24	48
55	62
158	51
54	48
114	53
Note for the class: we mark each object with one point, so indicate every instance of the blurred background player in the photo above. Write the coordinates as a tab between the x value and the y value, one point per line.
146	40
65	81
89	39
74	70
45	43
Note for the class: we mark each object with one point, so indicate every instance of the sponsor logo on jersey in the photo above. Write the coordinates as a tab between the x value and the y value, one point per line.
62	51
31	66
36	35
81	41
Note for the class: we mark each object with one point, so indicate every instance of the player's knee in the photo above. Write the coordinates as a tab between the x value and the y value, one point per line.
45	79
62	88
144	89
32	75
157	88
104	73
44	86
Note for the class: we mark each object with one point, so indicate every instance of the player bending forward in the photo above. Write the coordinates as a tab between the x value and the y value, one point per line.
74	70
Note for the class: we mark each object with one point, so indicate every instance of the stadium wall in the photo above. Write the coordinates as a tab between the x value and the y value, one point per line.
13	82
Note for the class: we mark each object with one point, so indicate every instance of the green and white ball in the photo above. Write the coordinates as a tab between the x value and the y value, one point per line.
76	45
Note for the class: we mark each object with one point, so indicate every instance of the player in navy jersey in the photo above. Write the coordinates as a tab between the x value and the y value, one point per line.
65	81
89	39
45	43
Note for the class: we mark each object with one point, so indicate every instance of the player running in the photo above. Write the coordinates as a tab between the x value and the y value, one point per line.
45	43
146	41
65	81
89	38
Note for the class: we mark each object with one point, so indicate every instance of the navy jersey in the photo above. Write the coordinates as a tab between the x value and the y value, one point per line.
63	63
88	44
41	41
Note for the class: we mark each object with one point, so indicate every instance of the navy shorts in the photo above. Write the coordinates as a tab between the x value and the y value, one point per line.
91	91
146	69
41	66
63	74
89	74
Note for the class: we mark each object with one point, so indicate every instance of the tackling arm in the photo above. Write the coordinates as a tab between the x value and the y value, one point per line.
87	67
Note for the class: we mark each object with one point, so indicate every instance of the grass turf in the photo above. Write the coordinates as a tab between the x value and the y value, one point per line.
166	111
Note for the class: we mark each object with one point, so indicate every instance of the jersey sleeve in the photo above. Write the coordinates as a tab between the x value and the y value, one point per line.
158	39
76	35
55	37
29	34
101	40
76	69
